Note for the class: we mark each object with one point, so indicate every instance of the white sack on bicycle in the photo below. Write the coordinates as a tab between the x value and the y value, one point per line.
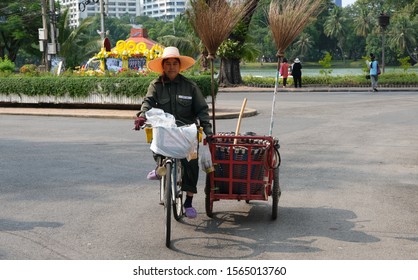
175	142
170	140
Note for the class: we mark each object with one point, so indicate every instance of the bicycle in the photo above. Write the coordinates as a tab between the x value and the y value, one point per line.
170	170
171	194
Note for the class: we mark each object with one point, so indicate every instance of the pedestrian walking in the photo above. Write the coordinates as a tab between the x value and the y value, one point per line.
374	71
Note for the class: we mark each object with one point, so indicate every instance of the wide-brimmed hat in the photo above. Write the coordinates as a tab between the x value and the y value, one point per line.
297	60
156	65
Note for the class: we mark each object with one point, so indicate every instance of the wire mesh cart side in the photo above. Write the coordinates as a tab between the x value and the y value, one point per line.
246	168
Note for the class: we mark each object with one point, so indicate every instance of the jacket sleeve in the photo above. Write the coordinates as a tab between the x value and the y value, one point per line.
149	100
202	111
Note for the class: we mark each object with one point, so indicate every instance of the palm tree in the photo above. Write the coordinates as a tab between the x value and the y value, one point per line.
403	34
75	45
363	22
185	40
334	27
304	43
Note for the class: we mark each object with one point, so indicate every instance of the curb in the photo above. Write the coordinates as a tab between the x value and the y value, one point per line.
314	89
221	112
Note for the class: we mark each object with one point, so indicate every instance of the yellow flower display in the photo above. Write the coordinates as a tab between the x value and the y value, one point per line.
125	50
155	52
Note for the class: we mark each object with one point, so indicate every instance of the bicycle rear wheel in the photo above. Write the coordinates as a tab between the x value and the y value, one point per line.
167	204
276	192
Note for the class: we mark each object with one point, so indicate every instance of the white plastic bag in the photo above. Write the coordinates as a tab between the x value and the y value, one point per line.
157	117
205	159
176	142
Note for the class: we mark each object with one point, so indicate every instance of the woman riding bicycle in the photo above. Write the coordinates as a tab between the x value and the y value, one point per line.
181	97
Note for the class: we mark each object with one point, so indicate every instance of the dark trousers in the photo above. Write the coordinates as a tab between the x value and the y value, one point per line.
284	81
190	175
297	80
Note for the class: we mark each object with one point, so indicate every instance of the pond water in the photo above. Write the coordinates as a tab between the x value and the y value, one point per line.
271	72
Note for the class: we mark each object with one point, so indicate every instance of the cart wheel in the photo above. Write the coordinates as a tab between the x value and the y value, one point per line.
276	192
208	202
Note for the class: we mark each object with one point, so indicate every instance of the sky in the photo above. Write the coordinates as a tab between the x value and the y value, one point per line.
347	2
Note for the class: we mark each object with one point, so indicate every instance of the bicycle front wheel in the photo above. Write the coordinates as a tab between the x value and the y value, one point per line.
176	178
167	204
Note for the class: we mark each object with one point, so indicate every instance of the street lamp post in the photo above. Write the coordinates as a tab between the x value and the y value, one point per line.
383	22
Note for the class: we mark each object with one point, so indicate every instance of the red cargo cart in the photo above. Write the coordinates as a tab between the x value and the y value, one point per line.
246	167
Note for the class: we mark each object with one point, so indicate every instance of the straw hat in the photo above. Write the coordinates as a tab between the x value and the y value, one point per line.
156	65
297	60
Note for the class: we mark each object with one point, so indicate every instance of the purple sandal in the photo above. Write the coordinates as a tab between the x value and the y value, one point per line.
152	175
190	212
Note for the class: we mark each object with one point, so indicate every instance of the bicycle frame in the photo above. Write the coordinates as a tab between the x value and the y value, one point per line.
170	191
175	177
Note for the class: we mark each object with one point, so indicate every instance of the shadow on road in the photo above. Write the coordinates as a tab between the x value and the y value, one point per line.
236	235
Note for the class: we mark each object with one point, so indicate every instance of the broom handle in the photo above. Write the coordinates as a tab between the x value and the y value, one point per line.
274	102
213	96
240	118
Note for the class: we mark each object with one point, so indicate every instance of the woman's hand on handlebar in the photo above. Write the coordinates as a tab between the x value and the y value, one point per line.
139	122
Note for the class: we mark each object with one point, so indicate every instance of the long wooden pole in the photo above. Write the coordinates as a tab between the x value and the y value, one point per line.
213	94
241	113
276	84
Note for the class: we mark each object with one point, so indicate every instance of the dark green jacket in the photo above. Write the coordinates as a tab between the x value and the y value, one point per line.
181	97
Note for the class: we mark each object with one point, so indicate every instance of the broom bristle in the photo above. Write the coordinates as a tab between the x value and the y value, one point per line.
213	20
288	18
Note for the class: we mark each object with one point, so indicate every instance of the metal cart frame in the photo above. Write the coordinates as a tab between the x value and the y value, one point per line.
246	168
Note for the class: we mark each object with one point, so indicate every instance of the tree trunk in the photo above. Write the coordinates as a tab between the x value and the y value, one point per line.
229	72
412	55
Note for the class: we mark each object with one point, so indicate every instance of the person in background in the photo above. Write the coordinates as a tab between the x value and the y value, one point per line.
181	97
297	73
284	71
374	71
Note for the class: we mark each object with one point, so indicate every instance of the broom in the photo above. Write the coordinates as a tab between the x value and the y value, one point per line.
213	21
287	19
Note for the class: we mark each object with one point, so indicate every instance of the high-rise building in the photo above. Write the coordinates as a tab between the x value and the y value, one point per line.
160	9
163	9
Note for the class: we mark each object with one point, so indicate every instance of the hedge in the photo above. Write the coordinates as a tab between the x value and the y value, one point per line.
385	80
84	86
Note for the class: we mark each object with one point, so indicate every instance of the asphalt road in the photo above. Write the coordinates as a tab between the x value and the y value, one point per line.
76	188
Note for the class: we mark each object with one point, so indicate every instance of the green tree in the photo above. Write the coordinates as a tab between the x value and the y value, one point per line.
303	43
260	32
326	64
363	22
334	27
233	49
75	44
19	23
405	63
403	35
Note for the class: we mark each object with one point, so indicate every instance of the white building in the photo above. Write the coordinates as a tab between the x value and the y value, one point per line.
160	9
163	9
